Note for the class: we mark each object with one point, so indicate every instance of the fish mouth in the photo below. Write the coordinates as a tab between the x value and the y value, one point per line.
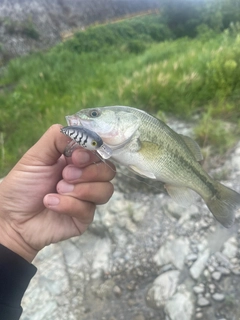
74	120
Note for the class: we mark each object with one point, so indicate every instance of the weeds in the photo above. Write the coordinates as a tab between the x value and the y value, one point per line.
216	133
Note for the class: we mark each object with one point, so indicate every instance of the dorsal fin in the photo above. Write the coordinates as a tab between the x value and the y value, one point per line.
193	147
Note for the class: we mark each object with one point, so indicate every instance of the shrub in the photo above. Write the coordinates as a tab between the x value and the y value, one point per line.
25	27
217	133
29	30
136	46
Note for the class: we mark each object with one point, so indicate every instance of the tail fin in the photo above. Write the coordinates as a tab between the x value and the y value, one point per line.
224	205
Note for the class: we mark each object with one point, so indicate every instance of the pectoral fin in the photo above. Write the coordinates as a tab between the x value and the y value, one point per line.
193	146
183	196
143	173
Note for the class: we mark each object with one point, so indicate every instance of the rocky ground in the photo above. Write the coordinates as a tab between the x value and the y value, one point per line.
143	258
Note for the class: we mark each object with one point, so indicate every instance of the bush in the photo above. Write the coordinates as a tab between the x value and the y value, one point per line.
25	28
29	30
216	133
136	46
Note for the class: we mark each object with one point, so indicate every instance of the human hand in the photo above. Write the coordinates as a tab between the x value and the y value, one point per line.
47	198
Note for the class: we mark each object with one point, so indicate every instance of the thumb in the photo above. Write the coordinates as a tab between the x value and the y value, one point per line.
48	149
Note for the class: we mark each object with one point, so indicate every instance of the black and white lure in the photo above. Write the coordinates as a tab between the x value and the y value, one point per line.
87	139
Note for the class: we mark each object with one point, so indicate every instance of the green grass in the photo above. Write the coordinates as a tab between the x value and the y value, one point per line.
182	77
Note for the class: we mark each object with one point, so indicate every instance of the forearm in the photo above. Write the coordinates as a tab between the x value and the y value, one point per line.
15	275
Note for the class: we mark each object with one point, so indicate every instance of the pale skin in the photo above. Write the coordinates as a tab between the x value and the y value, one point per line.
47	198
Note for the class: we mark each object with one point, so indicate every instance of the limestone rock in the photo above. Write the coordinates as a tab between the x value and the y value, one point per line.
163	288
199	265
173	251
230	248
203	302
180	306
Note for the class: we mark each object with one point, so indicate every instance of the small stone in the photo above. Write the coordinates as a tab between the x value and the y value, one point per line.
212	229
139	317
131	285
234	261
207	295
211	287
206	273
203	302
223	270
230	248
216	275
139	272
198	289
236	271
211	269
222	259
192	257
131	302
117	291
218	296
199	265
199	315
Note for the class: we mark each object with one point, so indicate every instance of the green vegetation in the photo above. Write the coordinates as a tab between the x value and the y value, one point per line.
133	33
25	27
138	63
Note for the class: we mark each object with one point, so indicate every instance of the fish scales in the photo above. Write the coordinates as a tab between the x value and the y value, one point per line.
171	158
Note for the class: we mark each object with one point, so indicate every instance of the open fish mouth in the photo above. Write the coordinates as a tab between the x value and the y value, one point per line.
73	120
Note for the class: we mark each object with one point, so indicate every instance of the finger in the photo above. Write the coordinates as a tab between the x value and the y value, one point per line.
51	146
82	157
65	204
96	192
94	172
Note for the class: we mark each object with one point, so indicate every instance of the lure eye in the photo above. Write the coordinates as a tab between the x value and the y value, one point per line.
94	143
94	113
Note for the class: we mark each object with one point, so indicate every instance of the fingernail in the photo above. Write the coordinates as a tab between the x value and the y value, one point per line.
73	173
52	201
65	187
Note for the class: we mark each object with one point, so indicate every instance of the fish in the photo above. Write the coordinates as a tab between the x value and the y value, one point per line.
85	138
150	148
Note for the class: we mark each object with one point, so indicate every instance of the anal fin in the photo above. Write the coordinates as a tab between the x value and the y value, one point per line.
181	195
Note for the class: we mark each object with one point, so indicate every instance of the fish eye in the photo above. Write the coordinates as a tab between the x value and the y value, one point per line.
94	143
94	113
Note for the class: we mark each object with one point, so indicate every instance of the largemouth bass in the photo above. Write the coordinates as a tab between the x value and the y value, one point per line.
150	148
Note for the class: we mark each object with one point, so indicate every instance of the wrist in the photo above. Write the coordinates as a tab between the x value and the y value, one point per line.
12	240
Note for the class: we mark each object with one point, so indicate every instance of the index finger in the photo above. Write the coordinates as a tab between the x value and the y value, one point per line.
82	157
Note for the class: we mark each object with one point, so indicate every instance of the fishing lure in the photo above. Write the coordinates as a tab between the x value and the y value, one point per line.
87	139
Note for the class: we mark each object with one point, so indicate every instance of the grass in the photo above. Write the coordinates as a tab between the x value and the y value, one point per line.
182	77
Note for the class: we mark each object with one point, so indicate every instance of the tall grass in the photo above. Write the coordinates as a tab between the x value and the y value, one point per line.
182	77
